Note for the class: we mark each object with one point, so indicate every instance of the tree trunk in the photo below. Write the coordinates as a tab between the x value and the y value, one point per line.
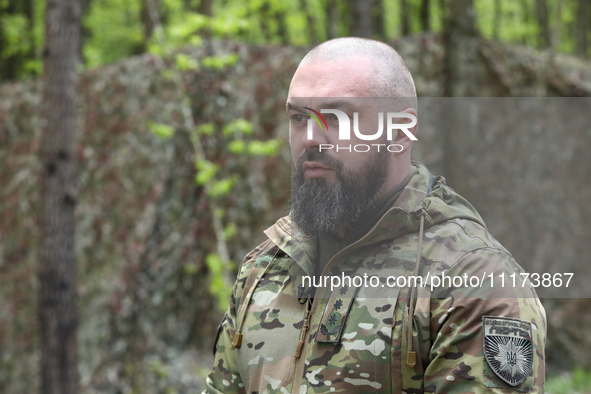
555	30
461	79
150	14
332	19
543	23
378	13
205	7
84	32
361	18
309	21
29	11
279	16
460	39
497	19
8	65
404	17
426	15
583	16
58	315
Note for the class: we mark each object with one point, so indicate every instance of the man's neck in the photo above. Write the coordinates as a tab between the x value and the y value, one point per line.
382	203
330	243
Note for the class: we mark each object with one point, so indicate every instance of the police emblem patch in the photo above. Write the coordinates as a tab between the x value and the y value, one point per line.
508	348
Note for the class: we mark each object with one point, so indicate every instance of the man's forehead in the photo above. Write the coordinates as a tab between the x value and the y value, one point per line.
339	78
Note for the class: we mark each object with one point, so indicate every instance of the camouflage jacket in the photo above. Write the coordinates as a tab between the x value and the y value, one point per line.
469	337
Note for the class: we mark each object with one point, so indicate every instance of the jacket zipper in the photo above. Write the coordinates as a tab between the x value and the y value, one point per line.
303	330
301	348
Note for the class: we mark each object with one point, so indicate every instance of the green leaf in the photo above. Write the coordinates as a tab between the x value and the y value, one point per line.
219	62
222	187
184	62
214	263
230	231
228	25
185	25
205	128
190	268
264	148
115	31
218	286
15	31
161	130
205	171
237	146
238	126
219	213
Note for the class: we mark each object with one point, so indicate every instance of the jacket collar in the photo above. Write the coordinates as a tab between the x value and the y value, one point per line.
423	191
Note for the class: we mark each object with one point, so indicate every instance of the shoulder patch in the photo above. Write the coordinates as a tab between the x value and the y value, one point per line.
508	348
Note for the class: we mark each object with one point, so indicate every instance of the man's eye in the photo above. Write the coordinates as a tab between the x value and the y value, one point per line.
331	118
298	119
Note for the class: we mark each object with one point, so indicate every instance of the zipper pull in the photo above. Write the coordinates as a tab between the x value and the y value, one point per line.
303	331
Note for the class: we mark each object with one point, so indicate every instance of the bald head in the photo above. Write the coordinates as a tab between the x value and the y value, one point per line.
390	76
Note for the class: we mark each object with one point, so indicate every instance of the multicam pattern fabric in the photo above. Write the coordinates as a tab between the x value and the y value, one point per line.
369	352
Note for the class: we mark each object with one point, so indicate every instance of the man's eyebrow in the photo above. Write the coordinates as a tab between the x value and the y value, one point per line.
327	105
289	106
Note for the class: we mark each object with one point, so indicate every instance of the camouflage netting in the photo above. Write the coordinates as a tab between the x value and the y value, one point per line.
145	227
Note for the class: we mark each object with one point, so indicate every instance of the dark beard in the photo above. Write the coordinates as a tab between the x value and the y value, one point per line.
317	207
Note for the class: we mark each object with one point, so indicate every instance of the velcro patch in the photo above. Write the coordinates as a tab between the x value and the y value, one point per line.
508	348
335	314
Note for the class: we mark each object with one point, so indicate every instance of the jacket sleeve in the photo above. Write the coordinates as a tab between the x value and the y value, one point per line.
463	355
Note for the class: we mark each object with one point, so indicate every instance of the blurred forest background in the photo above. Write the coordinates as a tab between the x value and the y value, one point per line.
180	137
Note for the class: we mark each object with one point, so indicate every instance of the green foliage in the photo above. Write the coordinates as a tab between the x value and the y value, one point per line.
190	268
218	286
115	31
184	62
205	128
205	171
15	27
230	231
222	187
22	37
219	62
264	148
237	146
516	23
577	382
238	126
180	31
218	180
227	26
162	131
158	369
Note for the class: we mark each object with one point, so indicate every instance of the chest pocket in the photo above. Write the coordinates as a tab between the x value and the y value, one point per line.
352	349
271	318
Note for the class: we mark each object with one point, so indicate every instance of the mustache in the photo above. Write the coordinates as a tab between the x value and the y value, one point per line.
319	157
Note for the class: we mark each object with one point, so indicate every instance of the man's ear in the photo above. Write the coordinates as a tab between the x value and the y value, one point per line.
401	138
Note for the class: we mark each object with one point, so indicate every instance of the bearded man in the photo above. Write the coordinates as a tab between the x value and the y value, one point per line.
361	207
